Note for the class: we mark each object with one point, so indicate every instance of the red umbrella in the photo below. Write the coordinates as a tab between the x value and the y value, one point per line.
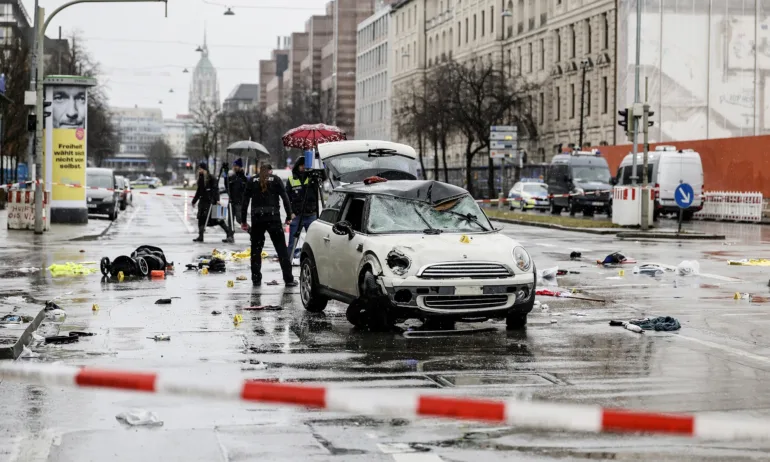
308	137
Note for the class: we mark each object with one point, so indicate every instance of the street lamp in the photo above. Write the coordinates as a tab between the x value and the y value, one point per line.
199	49
171	90
229	12
584	64
185	71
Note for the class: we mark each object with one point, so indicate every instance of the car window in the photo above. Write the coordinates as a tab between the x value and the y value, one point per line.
396	215
331	213
354	213
100	181
535	188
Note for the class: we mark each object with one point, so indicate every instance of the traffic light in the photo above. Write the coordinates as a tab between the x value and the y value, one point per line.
627	121
31	123
646	123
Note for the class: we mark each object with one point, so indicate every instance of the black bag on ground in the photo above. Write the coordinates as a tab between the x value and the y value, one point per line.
154	256
217	265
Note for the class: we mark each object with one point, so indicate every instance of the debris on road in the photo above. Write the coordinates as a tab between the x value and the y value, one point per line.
70	269
272	283
61	339
575	255
264	308
26	353
662	323
688	268
229	255
615	258
15	319
157	274
750	262
548	273
94	307
242	278
139	417
628	326
237	319
216	312
564	294
649	269
78	333
160	338
230	284
56	315
163	301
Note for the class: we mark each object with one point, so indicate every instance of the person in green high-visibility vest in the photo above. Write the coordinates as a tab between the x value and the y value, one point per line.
294	187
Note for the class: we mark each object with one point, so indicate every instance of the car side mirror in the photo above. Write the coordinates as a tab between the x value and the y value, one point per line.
343	228
613	181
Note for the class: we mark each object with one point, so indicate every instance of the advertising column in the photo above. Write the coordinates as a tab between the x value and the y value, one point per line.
65	141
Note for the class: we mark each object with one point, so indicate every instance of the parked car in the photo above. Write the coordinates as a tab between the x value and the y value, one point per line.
408	248
580	182
155	183
126	195
106	199
529	194
667	167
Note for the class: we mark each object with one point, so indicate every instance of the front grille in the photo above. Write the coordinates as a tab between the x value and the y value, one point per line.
477	270
465	302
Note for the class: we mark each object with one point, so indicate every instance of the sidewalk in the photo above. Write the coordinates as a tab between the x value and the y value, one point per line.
93	229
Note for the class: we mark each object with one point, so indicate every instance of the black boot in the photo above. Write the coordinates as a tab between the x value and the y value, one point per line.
229	240
200	235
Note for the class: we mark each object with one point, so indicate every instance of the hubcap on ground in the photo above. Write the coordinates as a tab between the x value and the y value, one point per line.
306	283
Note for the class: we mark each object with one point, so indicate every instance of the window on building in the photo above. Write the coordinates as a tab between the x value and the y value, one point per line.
605	95
572	44
518	60
542	54
572	101
459	33
466	30
558	103
588	98
558	46
474	27
531	56
510	62
483	23
491	19
541	111
589	39
606	34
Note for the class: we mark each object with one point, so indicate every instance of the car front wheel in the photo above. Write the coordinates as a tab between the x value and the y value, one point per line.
308	287
516	321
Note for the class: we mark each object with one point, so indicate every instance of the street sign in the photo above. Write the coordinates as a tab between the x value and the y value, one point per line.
503	154
684	195
504	128
502	136
497	145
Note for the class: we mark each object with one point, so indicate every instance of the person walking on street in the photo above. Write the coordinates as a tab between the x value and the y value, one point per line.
264	192
236	184
297	187
206	196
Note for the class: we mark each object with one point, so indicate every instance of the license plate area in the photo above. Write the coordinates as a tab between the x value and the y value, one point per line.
598	204
91	206
469	290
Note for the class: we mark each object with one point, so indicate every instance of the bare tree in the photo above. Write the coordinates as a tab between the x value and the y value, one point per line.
14	63
410	110
209	124
161	156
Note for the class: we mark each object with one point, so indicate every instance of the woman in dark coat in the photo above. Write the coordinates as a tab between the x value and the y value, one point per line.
206	196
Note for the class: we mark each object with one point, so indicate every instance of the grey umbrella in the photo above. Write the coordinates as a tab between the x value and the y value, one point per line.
246	147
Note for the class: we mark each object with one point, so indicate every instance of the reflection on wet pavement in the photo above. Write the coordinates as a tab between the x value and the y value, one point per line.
718	363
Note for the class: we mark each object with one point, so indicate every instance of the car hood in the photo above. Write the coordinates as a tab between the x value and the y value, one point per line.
426	249
99	194
593	186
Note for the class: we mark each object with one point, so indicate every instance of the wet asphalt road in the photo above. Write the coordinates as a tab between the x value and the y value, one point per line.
718	363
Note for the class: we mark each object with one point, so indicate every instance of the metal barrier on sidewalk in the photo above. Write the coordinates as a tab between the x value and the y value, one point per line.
21	210
731	206
395	403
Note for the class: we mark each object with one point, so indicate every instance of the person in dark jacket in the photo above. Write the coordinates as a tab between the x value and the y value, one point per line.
236	185
297	186
264	193
206	196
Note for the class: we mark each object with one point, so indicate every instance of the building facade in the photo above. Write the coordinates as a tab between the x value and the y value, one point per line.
373	94
139	128
204	88
244	97
177	134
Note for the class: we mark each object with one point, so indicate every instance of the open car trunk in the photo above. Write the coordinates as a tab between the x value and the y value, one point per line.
348	162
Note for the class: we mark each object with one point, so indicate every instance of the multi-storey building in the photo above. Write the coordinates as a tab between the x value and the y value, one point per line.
271	73
139	128
244	97
373	96
177	133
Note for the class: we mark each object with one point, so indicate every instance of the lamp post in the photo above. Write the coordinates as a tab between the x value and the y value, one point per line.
585	64
37	69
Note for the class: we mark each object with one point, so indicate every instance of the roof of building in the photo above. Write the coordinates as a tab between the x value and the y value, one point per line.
244	92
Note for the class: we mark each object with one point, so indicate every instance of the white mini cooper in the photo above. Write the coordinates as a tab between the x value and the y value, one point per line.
394	247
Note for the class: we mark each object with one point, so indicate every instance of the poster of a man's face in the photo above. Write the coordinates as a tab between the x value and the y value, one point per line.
68	109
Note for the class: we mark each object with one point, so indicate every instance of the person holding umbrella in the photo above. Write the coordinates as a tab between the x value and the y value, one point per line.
237	187
264	193
207	195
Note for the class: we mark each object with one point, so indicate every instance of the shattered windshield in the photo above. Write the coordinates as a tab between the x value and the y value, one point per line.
355	167
591	174
396	215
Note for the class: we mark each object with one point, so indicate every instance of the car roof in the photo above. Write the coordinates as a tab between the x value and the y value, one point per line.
433	192
337	148
567	159
102	171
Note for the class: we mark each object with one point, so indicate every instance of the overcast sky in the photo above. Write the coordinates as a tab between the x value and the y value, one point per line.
143	54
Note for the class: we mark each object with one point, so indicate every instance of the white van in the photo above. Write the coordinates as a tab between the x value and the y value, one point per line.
667	168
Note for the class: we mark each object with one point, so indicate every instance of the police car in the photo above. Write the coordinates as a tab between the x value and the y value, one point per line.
394	247
529	194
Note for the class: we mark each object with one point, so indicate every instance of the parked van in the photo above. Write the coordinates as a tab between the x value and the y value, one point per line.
667	167
106	199
586	176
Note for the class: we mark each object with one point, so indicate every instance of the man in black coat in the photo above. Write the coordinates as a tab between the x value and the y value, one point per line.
206	196
264	193
236	185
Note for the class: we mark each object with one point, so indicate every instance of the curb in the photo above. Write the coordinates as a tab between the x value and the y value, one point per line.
600	231
395	403
14	351
672	236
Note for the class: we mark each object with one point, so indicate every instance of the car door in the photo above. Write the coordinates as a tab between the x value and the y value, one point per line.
346	253
515	194
319	238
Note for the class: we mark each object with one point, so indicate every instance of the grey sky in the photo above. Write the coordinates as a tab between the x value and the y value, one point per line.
143	54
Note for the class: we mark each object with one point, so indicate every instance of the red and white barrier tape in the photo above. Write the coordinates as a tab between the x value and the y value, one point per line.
396	403
16	185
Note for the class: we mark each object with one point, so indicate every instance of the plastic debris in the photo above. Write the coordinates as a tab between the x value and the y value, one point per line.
553	321
242	278
70	269
750	262
662	323
740	296
26	353
264	308
57	315
237	319
688	268
649	270
15	319
139	417
216	312
272	283
204	271
60	339
157	274
548	273
575	256
622	273
230	284
94	307
121	276
229	255
77	333
163	301
160	338
628	326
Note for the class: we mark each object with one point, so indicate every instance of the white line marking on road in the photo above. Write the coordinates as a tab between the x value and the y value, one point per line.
137	209
181	217
725	348
412	457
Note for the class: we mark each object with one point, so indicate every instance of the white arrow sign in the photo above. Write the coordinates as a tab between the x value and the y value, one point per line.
685	196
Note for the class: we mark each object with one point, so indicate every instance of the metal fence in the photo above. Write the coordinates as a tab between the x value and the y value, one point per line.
732	206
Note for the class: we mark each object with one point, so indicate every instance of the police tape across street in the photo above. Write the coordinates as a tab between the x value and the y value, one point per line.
394	403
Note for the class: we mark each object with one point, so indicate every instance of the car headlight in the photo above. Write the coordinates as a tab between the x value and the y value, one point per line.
522	258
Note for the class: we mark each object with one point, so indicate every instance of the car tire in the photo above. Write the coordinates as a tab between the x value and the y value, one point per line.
516	321
523	206
377	313
656	215
555	209
114	215
588	212
354	313
123	206
308	287
572	208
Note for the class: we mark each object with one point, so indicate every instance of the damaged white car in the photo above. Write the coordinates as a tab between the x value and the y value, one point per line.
408	248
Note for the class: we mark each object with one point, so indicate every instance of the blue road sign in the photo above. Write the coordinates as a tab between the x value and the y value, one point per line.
684	195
